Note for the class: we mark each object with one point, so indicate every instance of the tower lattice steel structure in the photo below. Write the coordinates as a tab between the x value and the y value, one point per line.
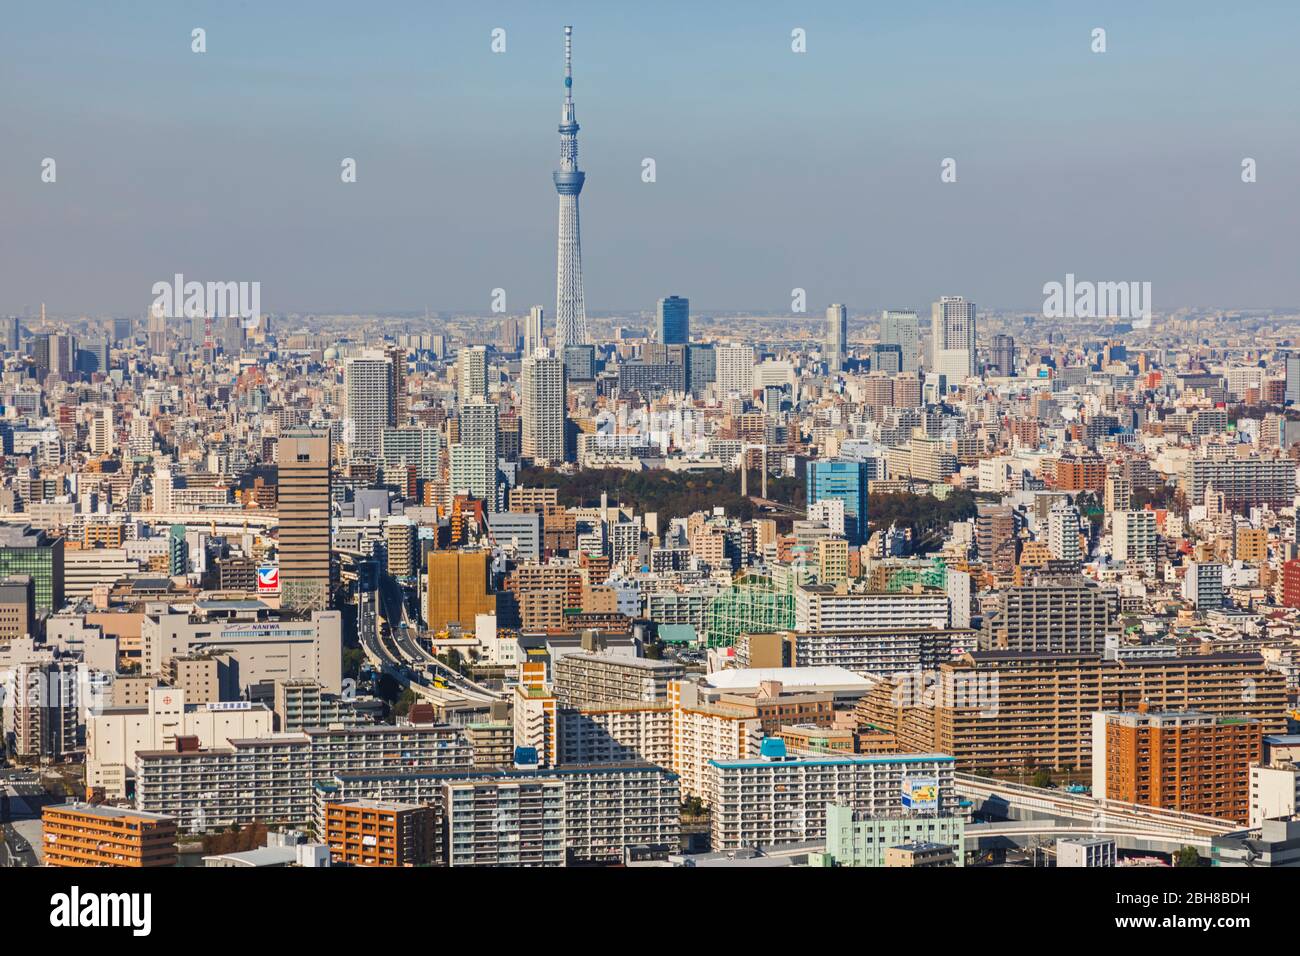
570	307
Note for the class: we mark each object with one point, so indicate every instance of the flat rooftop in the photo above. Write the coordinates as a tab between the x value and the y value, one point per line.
790	678
116	813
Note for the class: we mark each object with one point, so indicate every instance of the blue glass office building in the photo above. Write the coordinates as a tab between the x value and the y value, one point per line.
674	320
847	481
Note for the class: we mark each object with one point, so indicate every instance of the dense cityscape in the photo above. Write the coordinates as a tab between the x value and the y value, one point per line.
939	585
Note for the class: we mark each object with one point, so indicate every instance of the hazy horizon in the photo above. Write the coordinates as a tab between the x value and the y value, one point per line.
774	169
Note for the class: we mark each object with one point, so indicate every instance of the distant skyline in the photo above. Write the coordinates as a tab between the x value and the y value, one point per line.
774	169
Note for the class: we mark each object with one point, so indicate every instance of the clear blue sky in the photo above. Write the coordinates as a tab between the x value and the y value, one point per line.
775	169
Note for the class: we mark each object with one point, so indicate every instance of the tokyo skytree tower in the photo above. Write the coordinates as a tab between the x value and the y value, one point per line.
570	307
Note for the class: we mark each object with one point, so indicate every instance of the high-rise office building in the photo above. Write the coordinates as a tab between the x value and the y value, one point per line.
844	481
92	355
570	304
479	424
26	550
471	370
1003	355
458	588
397	385
534	330
232	334
13	330
837	337
474	465
157	331
1292	379
509	335
101	432
56	353
886	360
701	366
902	328
368	380
579	363
673	320
473	472
542	392
304	508
952	343
734	369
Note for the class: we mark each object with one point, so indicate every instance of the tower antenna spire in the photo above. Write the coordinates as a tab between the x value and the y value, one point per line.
570	304
568	63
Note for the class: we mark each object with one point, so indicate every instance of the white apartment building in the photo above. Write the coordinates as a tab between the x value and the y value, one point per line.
703	732
471	370
734	369
474	472
368	382
822	608
542	401
114	736
627	733
585	680
1134	538
270	778
774	799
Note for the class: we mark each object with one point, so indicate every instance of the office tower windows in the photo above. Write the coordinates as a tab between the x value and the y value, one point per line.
397	386
734	369
837	337
1003	355
674	321
1292	379
534	326
901	327
369	395
701	367
580	362
304	508
26	550
952	329
471	368
542	391
844	481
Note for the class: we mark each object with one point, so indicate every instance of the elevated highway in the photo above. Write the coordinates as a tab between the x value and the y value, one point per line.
1024	813
1019	834
409	653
